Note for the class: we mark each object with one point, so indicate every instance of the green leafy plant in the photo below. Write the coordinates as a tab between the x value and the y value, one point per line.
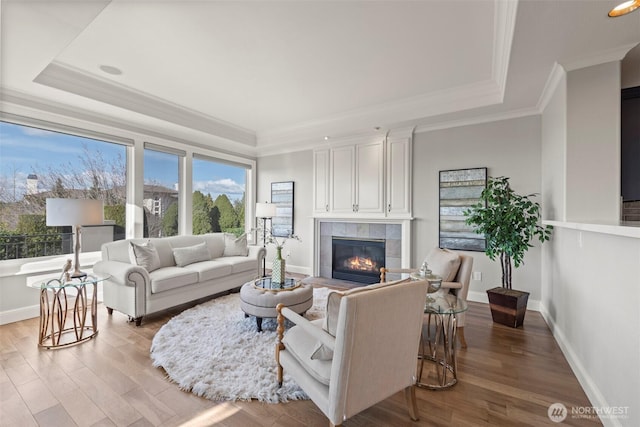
509	222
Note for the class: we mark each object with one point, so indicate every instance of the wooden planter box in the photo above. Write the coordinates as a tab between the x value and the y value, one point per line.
508	306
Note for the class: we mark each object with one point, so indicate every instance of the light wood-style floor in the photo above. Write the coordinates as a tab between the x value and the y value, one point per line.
506	377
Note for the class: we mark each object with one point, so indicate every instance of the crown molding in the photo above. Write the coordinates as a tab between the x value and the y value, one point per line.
553	80
386	115
597	58
504	27
73	80
18	103
487	118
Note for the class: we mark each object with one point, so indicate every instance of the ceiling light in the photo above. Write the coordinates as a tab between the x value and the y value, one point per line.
326	138
624	8
109	69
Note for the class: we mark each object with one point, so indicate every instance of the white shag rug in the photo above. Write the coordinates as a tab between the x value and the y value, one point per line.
213	351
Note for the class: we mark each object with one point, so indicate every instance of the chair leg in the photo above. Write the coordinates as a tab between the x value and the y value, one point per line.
460	332
412	404
279	344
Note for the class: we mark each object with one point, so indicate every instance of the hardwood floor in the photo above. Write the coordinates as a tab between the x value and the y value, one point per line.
506	377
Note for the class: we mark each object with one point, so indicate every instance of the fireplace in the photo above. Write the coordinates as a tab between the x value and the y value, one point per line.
357	260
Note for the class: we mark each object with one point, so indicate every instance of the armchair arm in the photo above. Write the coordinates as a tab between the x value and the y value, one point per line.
318	333
451	285
384	271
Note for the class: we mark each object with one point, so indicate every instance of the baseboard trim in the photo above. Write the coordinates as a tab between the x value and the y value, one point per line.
592	391
533	305
22	313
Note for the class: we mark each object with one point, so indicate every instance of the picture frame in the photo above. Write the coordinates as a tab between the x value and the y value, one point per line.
459	189
282	195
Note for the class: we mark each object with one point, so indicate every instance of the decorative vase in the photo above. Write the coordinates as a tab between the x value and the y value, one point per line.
278	268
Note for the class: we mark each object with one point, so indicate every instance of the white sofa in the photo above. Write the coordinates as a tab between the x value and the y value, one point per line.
183	271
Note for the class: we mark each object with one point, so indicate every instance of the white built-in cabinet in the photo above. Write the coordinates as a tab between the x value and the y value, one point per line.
370	177
398	175
321	181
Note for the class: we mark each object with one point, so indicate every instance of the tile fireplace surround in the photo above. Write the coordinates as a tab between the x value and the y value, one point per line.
396	234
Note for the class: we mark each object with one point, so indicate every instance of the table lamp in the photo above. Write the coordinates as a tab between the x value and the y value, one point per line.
265	211
76	213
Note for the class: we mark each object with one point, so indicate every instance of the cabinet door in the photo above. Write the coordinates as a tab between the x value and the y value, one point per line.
321	181
370	177
342	198
399	176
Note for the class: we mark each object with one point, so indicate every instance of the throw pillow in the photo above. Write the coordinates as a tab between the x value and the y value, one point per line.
145	255
235	246
444	263
191	254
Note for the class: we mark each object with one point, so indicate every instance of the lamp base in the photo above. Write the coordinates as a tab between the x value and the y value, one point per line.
78	274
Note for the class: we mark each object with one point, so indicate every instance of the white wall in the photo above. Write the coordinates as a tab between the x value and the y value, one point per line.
590	280
593	143
296	167
591	303
554	153
507	148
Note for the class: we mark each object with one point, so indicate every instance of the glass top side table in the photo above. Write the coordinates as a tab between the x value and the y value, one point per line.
60	299
438	342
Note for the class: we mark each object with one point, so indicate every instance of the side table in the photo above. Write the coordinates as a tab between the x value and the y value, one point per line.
438	341
59	300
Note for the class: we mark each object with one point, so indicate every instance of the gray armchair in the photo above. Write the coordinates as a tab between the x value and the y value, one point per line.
364	351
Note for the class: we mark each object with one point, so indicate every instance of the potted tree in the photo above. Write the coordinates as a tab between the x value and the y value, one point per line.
509	222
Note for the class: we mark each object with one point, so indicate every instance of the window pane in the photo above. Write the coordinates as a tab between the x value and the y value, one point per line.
160	199
218	197
37	164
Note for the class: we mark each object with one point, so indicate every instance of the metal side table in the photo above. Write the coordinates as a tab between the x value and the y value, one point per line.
438	342
61	299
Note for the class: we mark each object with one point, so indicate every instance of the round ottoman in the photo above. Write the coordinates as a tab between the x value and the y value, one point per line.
262	303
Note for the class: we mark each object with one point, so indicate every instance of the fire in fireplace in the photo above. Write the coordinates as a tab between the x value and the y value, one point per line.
357	260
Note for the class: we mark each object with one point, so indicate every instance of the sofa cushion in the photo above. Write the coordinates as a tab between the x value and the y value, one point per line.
167	278
444	263
145	255
301	345
235	246
239	263
208	270
191	254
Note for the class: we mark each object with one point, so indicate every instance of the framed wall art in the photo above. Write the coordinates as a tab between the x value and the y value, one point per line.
282	197
459	190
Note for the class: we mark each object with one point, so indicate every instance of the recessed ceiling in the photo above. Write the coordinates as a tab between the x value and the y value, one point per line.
259	74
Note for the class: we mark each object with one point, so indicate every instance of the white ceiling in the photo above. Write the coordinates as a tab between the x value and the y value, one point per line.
255	77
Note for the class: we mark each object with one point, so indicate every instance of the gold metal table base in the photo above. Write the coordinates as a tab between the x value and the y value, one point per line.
440	350
56	330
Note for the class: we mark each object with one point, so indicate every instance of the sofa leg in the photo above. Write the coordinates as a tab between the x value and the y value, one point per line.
138	320
259	323
109	311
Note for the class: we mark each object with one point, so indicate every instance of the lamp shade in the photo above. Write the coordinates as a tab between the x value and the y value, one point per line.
63	212
265	210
